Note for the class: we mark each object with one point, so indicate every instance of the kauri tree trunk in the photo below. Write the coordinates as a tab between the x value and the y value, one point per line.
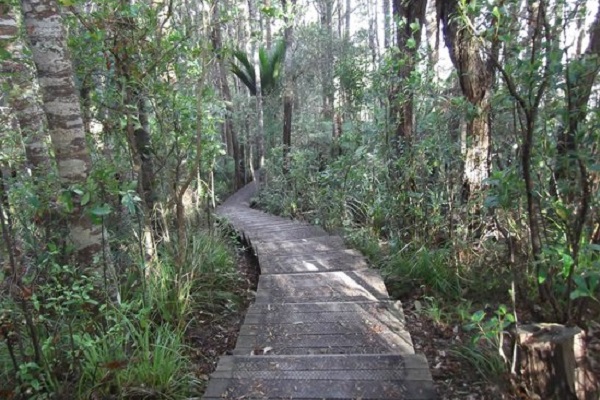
260	134
23	96
47	37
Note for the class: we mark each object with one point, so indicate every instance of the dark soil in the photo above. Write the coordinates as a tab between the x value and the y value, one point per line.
454	377
214	336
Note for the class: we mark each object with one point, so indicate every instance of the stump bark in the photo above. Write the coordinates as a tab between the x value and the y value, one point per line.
548	361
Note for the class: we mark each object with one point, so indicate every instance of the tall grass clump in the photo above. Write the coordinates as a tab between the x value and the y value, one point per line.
424	267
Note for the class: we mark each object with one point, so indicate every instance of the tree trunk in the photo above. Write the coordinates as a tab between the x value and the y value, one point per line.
476	80
387	25
230	132
61	104
347	19
23	97
260	134
326	10
288	96
373	28
402	95
548	360
137	128
268	34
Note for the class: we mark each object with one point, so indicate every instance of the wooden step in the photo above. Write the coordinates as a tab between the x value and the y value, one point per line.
361	285
324	328
368	376
280	233
340	260
313	245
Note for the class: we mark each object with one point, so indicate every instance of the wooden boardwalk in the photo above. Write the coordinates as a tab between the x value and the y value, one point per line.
322	326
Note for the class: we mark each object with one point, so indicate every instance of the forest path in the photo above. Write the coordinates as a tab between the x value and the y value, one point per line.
322	325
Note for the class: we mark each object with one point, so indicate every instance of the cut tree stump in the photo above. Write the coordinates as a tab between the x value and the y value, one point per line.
547	360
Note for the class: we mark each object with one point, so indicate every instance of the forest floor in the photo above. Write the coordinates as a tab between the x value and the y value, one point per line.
454	377
215	335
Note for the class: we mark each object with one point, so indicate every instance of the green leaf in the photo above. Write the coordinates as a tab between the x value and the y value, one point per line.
34	201
496	13
478	316
594	246
85	199
129	200
577	293
4	54
101	211
65	199
411	43
542	277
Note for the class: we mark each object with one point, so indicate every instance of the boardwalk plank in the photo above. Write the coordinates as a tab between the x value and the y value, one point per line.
364	389
344	260
321	286
322	325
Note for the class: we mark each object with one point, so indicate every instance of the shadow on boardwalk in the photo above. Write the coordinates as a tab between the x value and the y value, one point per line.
322	326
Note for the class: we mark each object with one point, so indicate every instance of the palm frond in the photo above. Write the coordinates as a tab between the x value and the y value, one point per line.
246	72
270	64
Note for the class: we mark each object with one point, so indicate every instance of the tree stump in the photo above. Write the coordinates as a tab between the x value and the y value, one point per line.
587	375
547	360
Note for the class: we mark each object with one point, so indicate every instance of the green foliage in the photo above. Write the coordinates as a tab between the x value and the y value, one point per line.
207	281
58	339
491	329
136	359
270	65
432	269
487	362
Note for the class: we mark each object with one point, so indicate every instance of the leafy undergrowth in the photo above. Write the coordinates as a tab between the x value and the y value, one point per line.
461	371
160	342
462	316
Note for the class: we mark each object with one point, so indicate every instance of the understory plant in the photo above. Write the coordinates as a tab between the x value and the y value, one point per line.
58	341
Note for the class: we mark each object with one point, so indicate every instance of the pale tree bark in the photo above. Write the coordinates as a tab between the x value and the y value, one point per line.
288	96
23	96
267	19
328	94
476	77
347	17
260	134
373	28
387	24
47	38
432	34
